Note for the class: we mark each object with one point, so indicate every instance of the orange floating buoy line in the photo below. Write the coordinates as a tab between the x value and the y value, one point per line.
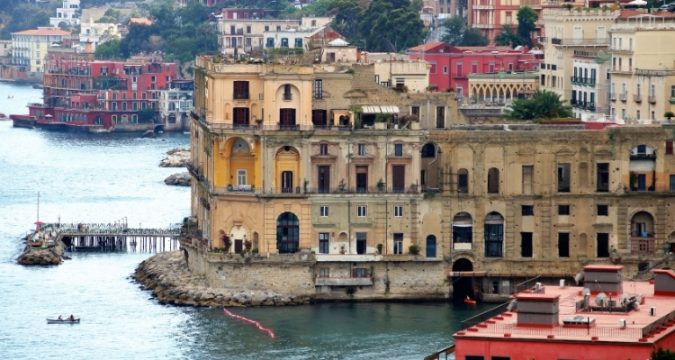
257	324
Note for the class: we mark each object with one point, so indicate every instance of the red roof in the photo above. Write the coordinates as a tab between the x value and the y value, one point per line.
43	31
428	46
536	297
603	267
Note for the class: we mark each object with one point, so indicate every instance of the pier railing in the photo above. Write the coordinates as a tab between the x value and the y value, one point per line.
107	237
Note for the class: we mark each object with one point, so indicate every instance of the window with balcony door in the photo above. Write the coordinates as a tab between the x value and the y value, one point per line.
602	177
398	150
318	89
564	178
240	117
240	90
563	245
324	249
242	177
361	149
440	117
398	243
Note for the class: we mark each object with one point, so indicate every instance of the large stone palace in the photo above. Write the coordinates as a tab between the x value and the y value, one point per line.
382	193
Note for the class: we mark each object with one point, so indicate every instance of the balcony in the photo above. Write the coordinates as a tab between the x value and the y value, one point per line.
623	97
642	244
462	246
350	281
579	42
651	99
612	96
637	98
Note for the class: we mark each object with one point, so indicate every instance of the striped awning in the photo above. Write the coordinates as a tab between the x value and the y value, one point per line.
380	109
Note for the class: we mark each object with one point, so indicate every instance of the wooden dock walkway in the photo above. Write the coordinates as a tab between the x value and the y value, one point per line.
113	237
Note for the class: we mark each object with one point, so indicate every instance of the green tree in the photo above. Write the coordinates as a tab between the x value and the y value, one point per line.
527	19
458	34
346	18
663	354
108	50
455	27
508	36
473	37
542	105
391	25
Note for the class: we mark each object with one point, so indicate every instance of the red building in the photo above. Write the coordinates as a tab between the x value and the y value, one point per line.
82	92
607	318
451	65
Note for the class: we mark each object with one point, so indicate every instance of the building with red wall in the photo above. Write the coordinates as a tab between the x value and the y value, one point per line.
82	92
451	65
607	318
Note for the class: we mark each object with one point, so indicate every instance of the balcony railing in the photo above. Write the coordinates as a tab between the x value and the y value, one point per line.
579	42
612	96
642	244
462	246
637	98
623	96
652	99
347	281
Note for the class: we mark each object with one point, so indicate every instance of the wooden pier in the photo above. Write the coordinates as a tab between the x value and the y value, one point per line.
116	237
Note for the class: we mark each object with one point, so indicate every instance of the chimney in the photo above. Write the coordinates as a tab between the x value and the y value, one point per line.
664	282
537	309
603	278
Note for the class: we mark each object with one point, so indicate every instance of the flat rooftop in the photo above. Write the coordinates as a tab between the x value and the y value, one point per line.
605	326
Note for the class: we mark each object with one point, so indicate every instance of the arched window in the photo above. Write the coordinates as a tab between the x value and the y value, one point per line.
428	151
493	181
288	233
494	235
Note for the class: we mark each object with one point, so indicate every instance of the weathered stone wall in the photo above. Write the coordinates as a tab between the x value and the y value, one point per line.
295	275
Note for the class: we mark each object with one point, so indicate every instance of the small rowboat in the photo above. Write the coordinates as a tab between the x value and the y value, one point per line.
469	301
63	321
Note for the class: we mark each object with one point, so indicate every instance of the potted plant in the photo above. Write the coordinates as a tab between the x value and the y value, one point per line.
669	115
380	185
414	249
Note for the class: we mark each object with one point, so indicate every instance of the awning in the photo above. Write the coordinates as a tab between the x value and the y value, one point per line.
380	109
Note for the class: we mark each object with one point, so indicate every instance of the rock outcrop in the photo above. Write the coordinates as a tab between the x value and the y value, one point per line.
178	179
34	255
177	157
169	279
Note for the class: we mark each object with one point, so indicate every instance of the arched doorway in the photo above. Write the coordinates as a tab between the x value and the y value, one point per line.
431	246
287	165
288	233
642	233
462	283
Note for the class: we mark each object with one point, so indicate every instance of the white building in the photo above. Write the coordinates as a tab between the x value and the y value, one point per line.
590	89
175	105
97	33
29	47
69	14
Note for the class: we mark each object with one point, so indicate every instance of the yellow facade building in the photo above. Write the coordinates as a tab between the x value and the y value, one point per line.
29	47
377	193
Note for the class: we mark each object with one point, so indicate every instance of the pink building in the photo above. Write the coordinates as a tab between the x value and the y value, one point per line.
451	65
606	318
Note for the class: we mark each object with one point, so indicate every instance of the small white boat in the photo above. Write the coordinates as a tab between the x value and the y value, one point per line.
63	321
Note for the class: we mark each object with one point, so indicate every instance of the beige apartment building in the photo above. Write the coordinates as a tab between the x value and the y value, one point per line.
363	191
29	47
642	67
567	31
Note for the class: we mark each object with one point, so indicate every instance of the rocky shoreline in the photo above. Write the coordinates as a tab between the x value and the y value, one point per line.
38	255
178	157
166	275
178	179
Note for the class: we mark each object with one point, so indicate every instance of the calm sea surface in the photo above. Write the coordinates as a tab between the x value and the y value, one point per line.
106	178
